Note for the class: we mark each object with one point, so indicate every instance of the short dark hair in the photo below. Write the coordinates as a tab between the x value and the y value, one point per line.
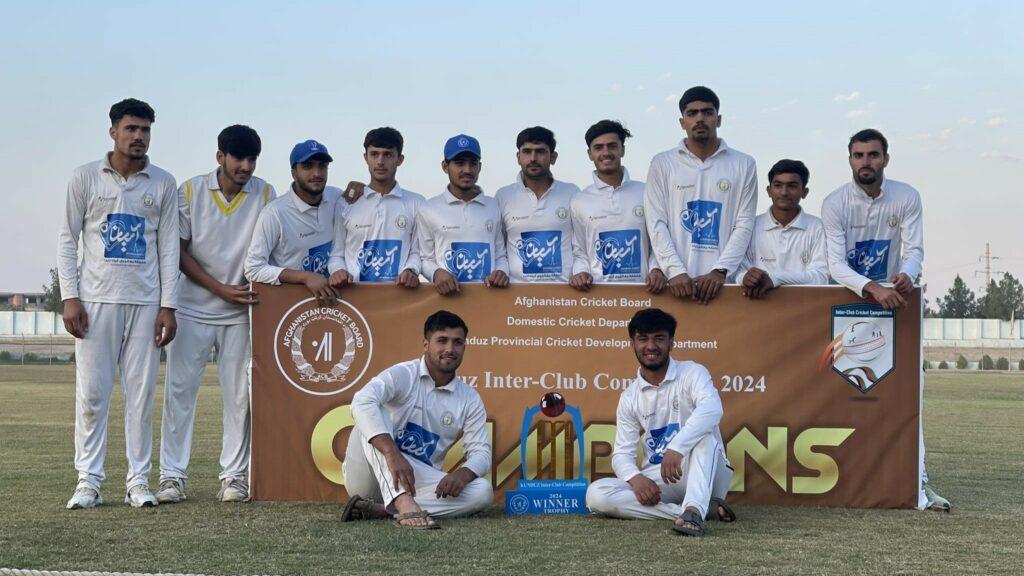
867	135
651	320
536	134
699	94
131	107
386	137
440	320
787	166
239	141
606	127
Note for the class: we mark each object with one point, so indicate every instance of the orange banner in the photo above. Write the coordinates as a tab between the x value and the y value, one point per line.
821	391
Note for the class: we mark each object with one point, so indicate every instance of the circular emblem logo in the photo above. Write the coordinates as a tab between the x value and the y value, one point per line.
147	200
805	257
401	221
519	504
638	211
489	225
724	185
675	403
323	350
463	142
448	419
562	213
893	221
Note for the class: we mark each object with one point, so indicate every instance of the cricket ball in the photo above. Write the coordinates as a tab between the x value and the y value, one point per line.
552	404
863	341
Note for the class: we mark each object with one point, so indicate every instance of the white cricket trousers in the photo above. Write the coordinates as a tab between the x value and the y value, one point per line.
367	475
119	336
706	473
187	357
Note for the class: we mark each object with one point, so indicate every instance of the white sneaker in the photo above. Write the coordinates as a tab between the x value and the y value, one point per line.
935	502
234	490
85	496
171	490
139	496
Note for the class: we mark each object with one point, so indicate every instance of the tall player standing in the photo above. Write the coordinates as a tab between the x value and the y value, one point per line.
218	213
119	303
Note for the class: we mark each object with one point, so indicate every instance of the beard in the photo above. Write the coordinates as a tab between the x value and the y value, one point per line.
867	180
654	365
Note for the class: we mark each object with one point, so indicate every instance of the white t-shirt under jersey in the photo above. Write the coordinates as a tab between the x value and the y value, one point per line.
464	238
538	231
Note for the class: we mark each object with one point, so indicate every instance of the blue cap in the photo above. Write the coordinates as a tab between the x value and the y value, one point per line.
305	150
458	144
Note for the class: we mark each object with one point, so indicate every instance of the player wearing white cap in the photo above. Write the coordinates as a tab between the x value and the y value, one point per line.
459	232
406	419
218	213
700	202
674	408
788	246
535	212
119	303
294	233
874	234
610	241
376	241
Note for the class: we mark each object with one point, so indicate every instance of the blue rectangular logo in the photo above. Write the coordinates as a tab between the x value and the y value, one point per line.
316	260
702	219
417	442
870	258
124	237
550	497
540	251
657	441
469	261
620	252
378	260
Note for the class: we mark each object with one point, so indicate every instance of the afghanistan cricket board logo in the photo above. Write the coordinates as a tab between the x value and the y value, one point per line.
323	350
862	349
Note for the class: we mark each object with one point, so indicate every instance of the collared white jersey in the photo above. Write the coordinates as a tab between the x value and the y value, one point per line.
538	231
424	419
610	238
873	239
464	238
293	235
219	233
700	214
129	236
376	240
675	414
791	254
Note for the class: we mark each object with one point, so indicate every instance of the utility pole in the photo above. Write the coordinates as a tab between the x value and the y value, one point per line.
988	271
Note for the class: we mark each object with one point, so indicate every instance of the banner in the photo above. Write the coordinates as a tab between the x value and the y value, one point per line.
821	390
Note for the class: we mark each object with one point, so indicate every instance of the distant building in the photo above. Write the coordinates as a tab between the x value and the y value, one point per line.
29	301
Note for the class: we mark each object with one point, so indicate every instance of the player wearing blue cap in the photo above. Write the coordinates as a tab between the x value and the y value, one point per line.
459	232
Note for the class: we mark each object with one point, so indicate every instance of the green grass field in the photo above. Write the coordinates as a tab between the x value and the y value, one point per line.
974	425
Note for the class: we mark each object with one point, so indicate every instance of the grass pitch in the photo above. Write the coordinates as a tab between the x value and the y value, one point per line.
973	424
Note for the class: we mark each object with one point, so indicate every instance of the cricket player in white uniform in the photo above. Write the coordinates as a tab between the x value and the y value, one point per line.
674	408
535	212
459	232
119	303
294	233
788	246
377	239
406	419
610	241
218	213
874	235
700	203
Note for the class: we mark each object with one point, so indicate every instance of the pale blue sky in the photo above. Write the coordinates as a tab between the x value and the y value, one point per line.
943	80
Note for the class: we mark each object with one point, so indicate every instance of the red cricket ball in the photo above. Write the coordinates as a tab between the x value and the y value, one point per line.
552	404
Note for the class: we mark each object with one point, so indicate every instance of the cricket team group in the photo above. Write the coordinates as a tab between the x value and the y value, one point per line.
146	264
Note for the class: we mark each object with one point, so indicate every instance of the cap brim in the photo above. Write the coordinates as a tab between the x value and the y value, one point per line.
320	155
460	153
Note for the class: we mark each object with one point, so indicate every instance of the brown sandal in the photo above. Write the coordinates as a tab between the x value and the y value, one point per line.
431	525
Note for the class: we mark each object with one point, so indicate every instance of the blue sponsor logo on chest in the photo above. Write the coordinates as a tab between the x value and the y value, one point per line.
469	261
316	260
378	260
702	219
619	252
124	237
541	251
657	441
870	258
418	442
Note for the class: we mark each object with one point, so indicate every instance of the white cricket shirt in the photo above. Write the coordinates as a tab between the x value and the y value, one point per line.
424	419
873	239
700	214
464	238
538	231
293	235
219	233
129	236
675	414
791	254
377	239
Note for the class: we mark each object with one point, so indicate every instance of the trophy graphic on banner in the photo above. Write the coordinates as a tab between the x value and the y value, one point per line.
551	495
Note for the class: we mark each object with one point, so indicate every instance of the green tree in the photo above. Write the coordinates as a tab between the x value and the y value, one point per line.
51	293
1003	300
959	302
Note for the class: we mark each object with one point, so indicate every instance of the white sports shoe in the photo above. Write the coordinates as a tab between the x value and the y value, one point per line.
234	490
171	490
85	496
935	502
139	496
